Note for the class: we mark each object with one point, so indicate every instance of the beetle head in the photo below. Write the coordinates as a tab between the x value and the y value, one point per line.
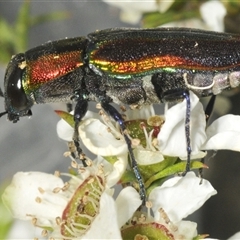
17	104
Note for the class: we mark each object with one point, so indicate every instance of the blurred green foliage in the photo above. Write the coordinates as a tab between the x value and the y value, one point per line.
14	37
179	10
184	10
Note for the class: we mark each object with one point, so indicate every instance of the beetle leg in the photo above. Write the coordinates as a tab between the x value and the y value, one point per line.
111	111
80	111
186	95
183	94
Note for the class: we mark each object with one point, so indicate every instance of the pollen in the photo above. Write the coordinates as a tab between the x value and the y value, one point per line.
66	186
56	190
58	221
149	204
74	164
156	121
135	142
38	199
57	173
44	233
34	221
41	190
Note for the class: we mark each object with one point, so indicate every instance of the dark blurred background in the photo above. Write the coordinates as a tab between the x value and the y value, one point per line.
33	145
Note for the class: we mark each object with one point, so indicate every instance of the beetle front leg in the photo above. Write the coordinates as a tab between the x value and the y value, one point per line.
79	112
111	111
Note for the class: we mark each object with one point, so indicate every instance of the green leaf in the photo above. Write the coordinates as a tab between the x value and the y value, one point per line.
155	184
174	169
128	177
149	170
156	19
66	116
22	27
14	38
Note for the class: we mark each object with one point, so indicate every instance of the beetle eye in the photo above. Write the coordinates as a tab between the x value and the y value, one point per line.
15	97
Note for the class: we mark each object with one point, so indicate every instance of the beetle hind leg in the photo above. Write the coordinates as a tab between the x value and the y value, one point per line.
186	95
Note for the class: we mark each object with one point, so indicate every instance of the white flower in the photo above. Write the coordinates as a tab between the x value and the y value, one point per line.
212	13
171	138
179	197
99	138
168	205
103	138
217	136
221	132
83	208
132	10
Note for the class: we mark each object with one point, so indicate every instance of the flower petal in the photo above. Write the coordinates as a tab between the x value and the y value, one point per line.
132	10
143	113
220	134
181	196
128	201
214	19
105	225
172	137
24	230
65	131
99	140
117	170
20	196
236	236
187	229
146	157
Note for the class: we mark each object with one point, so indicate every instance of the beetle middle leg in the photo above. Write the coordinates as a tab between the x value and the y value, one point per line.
111	111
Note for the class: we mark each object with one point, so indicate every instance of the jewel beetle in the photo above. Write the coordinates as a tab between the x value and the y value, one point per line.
124	66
